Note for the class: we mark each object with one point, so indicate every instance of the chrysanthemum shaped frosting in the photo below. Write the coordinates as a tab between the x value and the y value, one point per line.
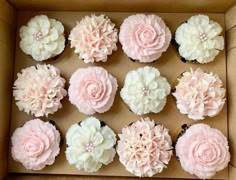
39	89
94	38
90	145
145	90
199	94
144	37
35	144
202	151
42	38
199	39
144	148
92	90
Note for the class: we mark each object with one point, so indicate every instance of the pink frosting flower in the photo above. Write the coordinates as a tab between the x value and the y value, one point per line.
144	37
92	90
203	151
36	144
199	94
144	148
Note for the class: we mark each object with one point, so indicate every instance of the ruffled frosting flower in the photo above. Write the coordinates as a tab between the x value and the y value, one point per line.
145	90
144	148
144	37
42	38
39	89
199	94
92	90
199	39
90	145
202	151
94	38
36	144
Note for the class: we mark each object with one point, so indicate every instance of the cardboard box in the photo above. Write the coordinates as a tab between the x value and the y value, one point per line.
15	13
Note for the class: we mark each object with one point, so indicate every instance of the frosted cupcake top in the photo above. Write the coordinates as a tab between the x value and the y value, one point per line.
199	39
144	37
42	38
144	148
94	38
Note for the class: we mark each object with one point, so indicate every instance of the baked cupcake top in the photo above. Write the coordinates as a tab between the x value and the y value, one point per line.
144	148
42	38
90	144
199	94
202	151
94	38
39	89
35	144
145	90
144	37
92	90
199	39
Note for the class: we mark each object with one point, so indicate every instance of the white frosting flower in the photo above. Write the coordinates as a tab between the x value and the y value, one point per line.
42	38
145	90
199	39
90	145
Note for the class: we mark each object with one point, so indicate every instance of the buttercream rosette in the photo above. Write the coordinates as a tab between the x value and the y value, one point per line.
92	90
94	38
145	90
202	151
199	40
90	144
39	89
42	38
144	148
144	37
36	144
199	94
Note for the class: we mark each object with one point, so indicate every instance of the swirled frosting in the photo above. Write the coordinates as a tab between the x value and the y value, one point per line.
42	38
90	145
199	94
199	39
202	151
39	89
145	90
36	144
144	37
92	90
94	38
144	148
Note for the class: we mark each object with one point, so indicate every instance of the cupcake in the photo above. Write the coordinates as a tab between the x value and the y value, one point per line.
144	37
199	94
144	148
36	144
202	151
90	144
39	89
94	38
92	90
42	38
145	90
198	39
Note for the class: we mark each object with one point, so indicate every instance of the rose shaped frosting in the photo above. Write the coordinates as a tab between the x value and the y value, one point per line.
199	39
90	145
145	90
144	148
94	38
92	90
36	144
202	151
199	94
42	38
39	89
144	37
